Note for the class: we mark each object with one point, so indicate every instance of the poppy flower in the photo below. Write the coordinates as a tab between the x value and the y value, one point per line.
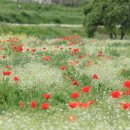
7	67
27	49
17	48
125	106
46	96
62	67
127	92
126	83
72	105
6	73
66	38
47	58
86	89
108	57
115	94
20	49
80	56
33	50
3	56
33	104
74	95
91	102
44	106
15	78
84	105
75	51
95	76
100	53
75	82
21	104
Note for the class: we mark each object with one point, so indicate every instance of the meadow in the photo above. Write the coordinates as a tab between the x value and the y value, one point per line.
66	82
52	77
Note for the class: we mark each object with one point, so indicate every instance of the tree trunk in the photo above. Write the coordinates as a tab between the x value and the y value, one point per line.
122	35
115	35
111	36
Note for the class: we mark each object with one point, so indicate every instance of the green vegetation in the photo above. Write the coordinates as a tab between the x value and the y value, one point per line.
109	14
34	13
41	32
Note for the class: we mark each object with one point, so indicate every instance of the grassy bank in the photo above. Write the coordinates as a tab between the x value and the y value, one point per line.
49	31
41	32
34	13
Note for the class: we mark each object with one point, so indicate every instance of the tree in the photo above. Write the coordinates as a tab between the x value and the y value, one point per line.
108	13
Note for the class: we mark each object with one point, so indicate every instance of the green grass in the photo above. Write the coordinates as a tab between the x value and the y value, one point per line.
36	14
49	32
41	32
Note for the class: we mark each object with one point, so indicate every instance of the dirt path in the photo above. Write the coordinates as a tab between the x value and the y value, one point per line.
45	25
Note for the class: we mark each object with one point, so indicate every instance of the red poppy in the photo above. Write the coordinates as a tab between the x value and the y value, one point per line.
15	78
126	83
91	102
62	67
80	56
84	105
95	76
108	57
33	104
27	49
46	96
47	58
20	49
75	82
6	73
33	50
66	38
115	94
71	43
72	104
21	104
125	106
86	89
100	53
17	48
75	51
3	56
44	106
74	95
7	67
127	92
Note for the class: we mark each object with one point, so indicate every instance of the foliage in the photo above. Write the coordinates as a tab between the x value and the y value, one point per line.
109	14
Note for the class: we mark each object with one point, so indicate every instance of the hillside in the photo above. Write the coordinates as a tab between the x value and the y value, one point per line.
34	13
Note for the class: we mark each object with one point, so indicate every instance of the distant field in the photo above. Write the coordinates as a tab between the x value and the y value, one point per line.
48	31
35	13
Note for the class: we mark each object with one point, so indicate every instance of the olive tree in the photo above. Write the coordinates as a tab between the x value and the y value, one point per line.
108	14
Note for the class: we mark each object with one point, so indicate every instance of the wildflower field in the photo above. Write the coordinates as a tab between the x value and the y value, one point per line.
64	83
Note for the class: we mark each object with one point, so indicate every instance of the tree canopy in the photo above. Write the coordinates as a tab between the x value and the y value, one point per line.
110	14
